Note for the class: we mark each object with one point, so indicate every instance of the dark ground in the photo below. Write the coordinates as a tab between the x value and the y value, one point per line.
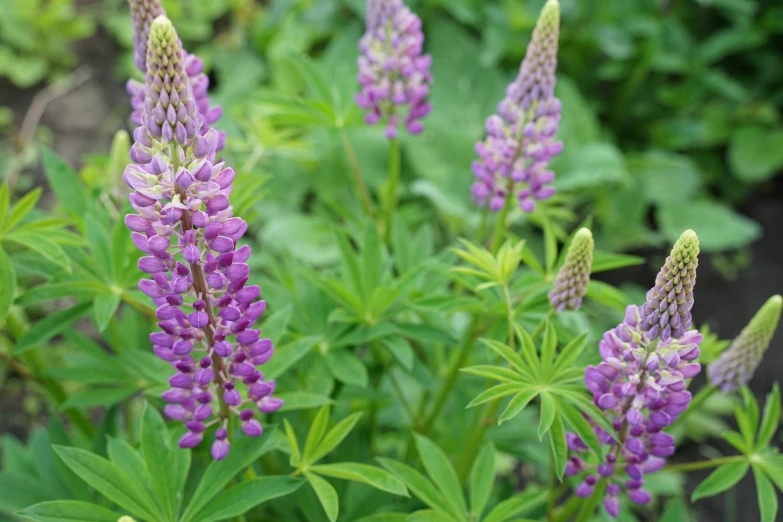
84	120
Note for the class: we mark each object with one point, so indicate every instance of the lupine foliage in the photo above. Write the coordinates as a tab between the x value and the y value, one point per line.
394	370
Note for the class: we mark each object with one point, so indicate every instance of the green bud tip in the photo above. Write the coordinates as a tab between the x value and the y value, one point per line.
687	246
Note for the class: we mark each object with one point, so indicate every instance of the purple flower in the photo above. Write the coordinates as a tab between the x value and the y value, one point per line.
143	13
739	362
571	282
640	385
520	138
204	332
393	72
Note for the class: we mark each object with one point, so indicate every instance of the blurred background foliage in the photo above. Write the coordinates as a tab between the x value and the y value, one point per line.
665	102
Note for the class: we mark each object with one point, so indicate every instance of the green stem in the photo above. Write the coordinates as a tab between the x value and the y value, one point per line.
481	231
392	186
540	328
696	402
705	464
357	173
451	376
553	491
500	229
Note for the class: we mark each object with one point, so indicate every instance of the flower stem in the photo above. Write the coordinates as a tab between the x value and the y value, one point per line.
451	376
357	173
389	199
705	464
500	224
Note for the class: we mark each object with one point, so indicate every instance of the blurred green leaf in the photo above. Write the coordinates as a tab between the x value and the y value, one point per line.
756	153
719	227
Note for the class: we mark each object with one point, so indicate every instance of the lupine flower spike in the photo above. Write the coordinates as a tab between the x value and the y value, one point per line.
571	282
739	362
143	13
641	383
184	225
520	139
393	72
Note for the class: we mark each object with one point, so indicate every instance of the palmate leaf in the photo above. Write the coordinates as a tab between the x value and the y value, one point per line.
68	511
482	478
517	506
768	498
326	494
769	419
20	210
238	500
518	403
417	483
7	284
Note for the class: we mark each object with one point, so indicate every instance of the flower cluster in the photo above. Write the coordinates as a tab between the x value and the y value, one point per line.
184	224
520	139
641	386
392	70
739	362
571	282
143	13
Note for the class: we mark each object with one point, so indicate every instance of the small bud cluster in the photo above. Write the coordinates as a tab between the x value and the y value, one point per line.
184	225
571	282
393	72
739	362
520	140
641	386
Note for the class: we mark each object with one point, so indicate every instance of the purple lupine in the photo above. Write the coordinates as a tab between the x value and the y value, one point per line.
667	311
641	386
570	285
520	138
184	224
393	72
739	362
143	13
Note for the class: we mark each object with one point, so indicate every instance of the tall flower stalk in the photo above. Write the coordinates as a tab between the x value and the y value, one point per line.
520	141
739	362
641	383
184	224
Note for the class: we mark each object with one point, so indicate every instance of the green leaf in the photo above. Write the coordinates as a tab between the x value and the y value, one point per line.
326	494
550	244
110	481
98	397
64	183
335	436
659	171
386	517
302	400
346	367
104	307
496	392
768	498
98	238
770	418
605	261
7	284
607	294
161	460
5	200
417	483
401	350
517	403
238	500
50	326
548	348
547	414
288	355
317	431
676	511
579	425
430	515
559	446
128	459
508	354
69	511
569	355
293	444
442	473
755	153
482	478
375	477
42	245
720	480
718	226
517	505
21	209
243	453
494	372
